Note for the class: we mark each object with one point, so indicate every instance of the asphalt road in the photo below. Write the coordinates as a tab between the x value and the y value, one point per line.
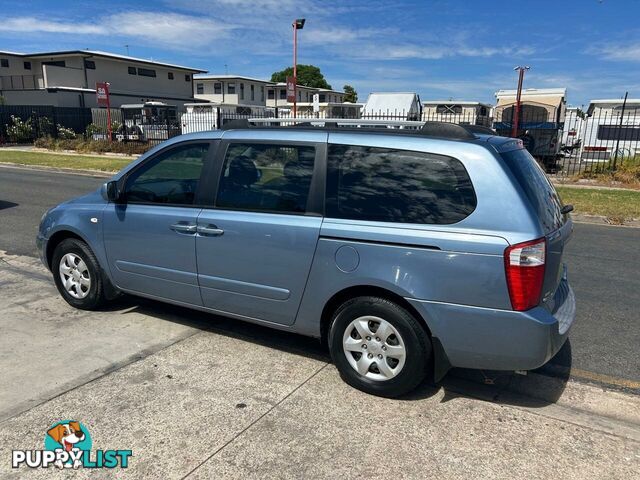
603	266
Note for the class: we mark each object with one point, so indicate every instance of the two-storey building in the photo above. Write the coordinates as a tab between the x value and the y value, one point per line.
68	79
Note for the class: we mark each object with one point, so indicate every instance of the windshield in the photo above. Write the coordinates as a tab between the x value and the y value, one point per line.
536	186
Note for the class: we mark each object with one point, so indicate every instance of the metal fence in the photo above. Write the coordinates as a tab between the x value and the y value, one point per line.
575	144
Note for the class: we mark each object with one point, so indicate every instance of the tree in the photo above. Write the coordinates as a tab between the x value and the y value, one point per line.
308	76
350	94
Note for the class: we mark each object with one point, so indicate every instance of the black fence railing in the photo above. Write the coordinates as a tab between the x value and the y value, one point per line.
574	144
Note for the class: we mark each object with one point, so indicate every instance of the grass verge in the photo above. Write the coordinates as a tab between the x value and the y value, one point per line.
617	205
80	162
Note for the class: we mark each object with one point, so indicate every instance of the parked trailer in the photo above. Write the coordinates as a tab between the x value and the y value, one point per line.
200	117
573	130
605	134
541	120
462	113
149	121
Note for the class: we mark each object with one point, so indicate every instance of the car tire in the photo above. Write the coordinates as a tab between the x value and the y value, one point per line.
77	275
398	358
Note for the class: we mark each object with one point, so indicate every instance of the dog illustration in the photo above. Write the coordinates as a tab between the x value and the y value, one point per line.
67	435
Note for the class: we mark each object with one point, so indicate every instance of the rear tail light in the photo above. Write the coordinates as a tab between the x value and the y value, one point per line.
595	149
524	267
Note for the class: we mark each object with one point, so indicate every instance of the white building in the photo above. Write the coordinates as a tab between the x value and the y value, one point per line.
230	89
68	79
241	90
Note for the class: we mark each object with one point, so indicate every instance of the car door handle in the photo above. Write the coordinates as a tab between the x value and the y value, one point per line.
210	230
188	228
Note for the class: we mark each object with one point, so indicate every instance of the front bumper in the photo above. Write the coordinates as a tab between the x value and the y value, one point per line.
41	245
491	339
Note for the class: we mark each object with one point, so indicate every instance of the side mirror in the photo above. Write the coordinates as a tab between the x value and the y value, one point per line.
113	192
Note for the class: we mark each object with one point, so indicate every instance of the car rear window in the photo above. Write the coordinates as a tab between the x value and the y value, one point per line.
388	185
536	186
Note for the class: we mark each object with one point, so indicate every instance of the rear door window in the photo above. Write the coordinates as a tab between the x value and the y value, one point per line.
387	185
266	177
538	189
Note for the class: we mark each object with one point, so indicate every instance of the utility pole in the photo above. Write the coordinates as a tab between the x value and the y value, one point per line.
298	24
624	106
516	114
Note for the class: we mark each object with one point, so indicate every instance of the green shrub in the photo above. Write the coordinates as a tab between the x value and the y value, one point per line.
82	145
65	133
43	126
19	131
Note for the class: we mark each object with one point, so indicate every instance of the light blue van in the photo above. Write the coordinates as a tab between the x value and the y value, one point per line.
407	251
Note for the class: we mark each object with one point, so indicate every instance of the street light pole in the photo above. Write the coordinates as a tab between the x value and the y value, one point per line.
297	24
516	114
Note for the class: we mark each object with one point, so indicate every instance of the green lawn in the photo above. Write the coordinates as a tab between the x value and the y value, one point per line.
618	205
81	162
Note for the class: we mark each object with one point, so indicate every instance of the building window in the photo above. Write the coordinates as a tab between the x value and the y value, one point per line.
132	70
271	94
187	78
283	94
55	63
242	91
27	65
146	72
4	62
217	88
199	88
323	98
262	90
445	109
299	95
253	92
231	88
90	64
170	75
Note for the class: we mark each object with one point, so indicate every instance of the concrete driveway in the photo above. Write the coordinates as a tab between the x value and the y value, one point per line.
198	396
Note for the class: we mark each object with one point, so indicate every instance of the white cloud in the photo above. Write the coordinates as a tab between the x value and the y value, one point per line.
629	52
171	30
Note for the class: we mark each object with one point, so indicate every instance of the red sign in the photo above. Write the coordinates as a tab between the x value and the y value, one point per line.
291	89
102	94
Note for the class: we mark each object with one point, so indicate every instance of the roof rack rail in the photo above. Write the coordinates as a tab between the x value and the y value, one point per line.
482	130
236	124
446	130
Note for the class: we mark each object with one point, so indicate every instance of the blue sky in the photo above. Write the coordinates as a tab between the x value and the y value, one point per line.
441	49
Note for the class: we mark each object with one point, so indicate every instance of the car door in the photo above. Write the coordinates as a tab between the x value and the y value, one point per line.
150	237
256	245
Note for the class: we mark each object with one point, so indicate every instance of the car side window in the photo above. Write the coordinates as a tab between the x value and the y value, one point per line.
266	177
388	185
169	179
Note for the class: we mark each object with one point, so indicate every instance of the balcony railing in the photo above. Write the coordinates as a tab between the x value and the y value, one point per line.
21	82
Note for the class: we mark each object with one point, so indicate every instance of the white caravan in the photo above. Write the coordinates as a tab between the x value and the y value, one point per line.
607	130
463	113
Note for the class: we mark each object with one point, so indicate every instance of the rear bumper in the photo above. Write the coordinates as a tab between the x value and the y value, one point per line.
490	339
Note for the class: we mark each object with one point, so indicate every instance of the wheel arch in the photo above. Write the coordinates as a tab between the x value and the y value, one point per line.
360	291
56	238
440	364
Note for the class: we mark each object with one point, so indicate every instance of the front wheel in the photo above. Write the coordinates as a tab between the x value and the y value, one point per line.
379	347
77	275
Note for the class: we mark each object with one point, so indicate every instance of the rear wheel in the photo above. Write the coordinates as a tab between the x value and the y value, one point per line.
77	275
378	346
